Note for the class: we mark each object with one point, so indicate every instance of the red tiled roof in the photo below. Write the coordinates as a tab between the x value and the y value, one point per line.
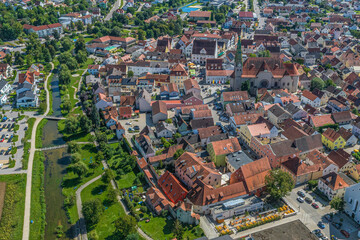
172	187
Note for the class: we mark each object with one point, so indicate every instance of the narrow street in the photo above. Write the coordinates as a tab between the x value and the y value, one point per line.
113	9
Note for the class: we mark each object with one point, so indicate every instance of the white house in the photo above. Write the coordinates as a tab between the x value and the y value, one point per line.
352	199
120	131
332	185
308	97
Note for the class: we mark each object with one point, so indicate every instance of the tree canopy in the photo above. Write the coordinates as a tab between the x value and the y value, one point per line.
279	183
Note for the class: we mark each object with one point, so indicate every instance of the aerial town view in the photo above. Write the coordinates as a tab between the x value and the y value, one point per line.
179	120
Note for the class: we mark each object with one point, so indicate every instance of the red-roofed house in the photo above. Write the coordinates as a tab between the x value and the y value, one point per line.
44	30
308	97
172	187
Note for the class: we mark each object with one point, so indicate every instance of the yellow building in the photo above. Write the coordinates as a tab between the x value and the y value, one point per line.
354	172
178	75
332	140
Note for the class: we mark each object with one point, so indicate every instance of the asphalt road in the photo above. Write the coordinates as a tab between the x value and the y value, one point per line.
113	9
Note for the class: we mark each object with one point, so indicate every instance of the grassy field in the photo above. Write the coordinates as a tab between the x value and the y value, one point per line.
77	137
25	159
161	228
71	182
126	180
105	228
39	133
12	218
38	206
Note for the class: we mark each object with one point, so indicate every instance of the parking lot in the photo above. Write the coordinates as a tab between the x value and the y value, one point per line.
7	139
311	216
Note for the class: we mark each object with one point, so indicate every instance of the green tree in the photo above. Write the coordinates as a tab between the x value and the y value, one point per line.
92	211
329	82
116	31
337	203
107	176
81	57
317	83
125	225
133	236
71	124
112	195
64	75
279	183
178	153
178	230
80	169
130	74
73	147
75	157
66	43
80	44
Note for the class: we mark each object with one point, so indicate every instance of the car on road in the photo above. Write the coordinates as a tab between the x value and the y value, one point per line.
308	200
345	233
300	199
321	225
314	205
333	237
301	194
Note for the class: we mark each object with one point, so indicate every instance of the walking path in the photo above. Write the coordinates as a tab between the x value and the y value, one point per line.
82	234
26	226
114	186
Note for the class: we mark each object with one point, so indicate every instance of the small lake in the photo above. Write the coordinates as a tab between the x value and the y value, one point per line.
55	164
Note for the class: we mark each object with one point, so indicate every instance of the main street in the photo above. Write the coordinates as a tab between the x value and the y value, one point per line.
258	13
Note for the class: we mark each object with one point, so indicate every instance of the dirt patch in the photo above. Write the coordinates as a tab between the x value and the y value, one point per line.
295	230
2	196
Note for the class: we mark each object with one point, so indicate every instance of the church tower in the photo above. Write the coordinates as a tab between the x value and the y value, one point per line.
236	81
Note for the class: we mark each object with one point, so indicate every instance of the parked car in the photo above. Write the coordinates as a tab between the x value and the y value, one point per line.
7	136
321	225
328	217
128	123
2	152
308	200
130	129
345	233
333	237
336	225
300	199
301	194
314	205
136	127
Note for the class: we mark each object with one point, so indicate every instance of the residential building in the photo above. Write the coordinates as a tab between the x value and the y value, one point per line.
219	149
352	199
332	185
159	111
332	139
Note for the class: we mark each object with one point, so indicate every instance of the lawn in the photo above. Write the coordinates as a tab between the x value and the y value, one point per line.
105	228
71	182
39	133
12	218
161	228
126	180
25	159
38	206
77	137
